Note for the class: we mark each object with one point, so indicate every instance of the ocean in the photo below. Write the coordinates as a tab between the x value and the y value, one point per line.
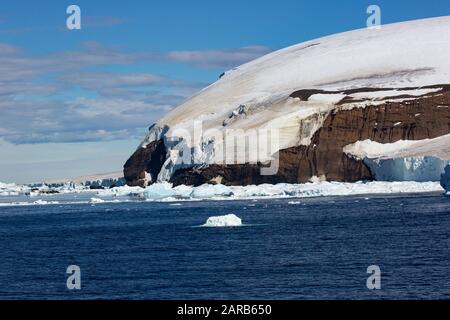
309	248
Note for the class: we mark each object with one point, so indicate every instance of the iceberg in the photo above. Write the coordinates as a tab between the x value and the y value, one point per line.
159	191
445	180
229	220
121	191
183	191
207	191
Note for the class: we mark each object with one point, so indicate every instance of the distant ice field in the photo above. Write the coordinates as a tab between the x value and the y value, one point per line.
165	192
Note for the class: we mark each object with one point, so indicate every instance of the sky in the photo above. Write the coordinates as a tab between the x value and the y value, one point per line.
78	102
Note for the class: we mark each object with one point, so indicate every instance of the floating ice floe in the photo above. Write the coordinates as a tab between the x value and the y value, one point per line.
229	220
43	202
96	200
121	191
206	191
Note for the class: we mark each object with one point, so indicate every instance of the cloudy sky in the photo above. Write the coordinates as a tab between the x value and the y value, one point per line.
77	102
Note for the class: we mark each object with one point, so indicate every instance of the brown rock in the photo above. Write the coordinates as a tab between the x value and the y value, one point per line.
145	159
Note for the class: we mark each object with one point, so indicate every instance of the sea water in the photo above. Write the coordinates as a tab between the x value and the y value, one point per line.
311	248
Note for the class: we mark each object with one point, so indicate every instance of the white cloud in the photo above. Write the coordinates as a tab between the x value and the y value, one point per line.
225	58
37	103
7	49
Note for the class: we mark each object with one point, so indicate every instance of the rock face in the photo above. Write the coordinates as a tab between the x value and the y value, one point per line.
366	87
387	123
142	168
418	119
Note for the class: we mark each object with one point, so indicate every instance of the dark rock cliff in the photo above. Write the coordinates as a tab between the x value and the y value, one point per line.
144	160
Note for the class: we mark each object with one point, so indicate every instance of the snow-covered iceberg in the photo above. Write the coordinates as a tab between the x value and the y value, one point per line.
229	220
121	191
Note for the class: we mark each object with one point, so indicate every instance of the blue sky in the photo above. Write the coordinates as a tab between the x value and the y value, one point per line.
77	102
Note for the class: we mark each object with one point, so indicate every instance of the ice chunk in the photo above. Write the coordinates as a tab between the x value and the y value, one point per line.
206	191
96	200
445	179
183	191
262	190
43	202
159	191
229	220
121	191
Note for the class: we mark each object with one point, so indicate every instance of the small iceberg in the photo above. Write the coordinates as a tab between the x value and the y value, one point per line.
229	220
96	200
43	202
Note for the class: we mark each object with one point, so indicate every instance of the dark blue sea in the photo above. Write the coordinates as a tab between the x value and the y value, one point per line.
315	248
